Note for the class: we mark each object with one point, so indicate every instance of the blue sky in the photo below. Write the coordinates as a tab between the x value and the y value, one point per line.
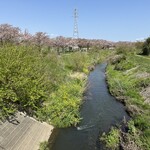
115	20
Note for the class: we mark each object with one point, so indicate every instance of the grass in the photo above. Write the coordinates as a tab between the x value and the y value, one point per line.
44	146
126	80
111	139
63	108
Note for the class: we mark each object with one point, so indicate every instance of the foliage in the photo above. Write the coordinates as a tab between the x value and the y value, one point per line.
125	49
124	65
44	146
146	47
126	81
63	108
22	80
111	139
27	80
39	82
40	39
139	46
76	61
8	33
132	128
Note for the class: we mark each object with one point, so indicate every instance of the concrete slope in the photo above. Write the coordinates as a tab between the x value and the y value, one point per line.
23	133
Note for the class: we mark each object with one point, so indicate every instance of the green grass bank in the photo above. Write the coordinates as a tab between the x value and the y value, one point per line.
128	76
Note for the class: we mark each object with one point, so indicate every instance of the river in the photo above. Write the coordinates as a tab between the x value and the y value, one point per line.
99	112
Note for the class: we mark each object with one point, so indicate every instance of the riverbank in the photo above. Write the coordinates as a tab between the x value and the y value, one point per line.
98	112
129	81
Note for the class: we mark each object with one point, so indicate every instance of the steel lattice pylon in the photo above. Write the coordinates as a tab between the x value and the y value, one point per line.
75	31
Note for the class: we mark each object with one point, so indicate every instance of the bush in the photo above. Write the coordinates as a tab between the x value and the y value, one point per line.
76	61
22	82
146	47
117	59
124	65
111	139
63	107
125	49
43	146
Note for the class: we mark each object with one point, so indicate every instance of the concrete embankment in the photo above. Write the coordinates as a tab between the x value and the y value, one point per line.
23	133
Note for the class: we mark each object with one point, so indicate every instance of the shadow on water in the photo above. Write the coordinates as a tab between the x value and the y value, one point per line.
100	111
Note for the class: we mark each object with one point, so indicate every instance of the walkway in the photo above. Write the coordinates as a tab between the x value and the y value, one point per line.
23	133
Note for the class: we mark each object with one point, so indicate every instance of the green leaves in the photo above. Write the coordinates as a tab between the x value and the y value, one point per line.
64	104
126	80
26	81
146	47
21	80
40	85
111	139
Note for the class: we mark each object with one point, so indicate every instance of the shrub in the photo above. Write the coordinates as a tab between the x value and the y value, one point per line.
22	82
63	108
125	49
124	65
76	61
146	47
111	139
43	146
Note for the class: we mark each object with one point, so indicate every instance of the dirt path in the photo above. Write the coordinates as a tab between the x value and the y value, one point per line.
144	57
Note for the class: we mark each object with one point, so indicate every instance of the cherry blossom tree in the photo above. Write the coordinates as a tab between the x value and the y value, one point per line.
26	38
8	33
60	43
41	39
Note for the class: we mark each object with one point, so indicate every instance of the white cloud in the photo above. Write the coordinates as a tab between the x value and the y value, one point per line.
51	35
142	39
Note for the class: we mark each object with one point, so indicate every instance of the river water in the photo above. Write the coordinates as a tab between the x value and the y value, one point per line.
99	111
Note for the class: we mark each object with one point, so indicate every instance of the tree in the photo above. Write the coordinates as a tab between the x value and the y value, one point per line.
146	47
60	42
84	43
26	38
40	39
8	33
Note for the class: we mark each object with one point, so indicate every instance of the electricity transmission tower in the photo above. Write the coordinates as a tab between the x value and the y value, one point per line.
75	31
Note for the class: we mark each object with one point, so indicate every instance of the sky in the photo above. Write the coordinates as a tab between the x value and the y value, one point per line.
113	20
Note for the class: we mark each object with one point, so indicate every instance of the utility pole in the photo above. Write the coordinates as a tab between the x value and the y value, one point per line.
75	31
